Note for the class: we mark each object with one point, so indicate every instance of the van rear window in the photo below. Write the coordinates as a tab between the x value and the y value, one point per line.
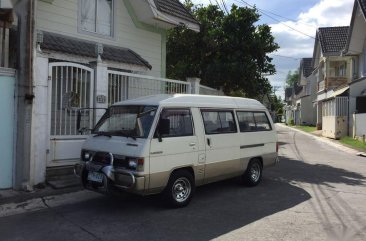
218	122
253	121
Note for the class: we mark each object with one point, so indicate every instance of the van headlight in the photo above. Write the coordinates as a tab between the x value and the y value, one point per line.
85	155
136	164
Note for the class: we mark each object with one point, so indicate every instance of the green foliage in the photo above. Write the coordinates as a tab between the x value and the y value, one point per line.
357	144
229	51
306	128
291	122
291	78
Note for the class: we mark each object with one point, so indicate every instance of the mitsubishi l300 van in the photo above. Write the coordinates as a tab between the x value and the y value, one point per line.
170	144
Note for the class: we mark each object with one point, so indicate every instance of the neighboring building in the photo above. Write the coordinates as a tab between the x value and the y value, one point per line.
356	49
306	112
292	109
78	54
334	72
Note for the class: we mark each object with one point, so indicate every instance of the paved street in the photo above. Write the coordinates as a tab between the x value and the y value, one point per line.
317	192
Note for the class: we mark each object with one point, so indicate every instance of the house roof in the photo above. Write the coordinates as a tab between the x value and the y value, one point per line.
306	66
176	9
74	46
332	39
362	5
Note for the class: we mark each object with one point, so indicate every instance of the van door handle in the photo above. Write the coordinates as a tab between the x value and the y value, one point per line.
209	141
192	144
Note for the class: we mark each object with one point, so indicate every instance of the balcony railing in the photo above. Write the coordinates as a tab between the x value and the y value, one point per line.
331	82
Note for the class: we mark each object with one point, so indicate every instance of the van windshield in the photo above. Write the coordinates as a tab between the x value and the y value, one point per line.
131	121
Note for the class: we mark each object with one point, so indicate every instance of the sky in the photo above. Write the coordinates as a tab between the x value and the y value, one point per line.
294	24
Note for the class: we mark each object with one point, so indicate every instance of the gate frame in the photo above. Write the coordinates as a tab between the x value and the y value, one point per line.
50	162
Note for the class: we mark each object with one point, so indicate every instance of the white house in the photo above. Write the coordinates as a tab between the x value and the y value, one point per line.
78	54
334	72
356	47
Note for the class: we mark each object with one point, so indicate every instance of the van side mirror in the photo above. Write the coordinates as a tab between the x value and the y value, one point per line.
84	113
162	129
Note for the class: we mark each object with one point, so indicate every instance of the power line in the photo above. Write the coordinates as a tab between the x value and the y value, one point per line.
276	19
224	4
284	56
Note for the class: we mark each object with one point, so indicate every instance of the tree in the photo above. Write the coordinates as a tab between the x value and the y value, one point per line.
229	51
292	78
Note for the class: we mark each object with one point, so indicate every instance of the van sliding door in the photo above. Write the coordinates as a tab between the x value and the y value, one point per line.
222	145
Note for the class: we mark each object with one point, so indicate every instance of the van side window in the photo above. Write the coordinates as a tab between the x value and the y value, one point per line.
246	121
217	122
253	121
262	122
175	122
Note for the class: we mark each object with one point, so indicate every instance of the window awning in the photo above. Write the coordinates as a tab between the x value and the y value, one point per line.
339	92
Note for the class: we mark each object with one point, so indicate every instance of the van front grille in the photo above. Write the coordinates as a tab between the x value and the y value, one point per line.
103	158
120	162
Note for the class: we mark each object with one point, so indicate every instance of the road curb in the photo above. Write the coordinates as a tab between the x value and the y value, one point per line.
40	203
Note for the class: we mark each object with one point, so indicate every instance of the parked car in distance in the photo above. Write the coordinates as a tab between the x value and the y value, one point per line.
170	144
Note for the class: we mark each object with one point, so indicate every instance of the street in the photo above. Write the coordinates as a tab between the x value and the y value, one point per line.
316	192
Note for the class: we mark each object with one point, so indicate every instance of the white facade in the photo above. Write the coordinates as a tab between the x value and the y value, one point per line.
63	17
60	78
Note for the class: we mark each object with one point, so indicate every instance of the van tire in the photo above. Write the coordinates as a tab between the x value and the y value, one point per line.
253	174
180	189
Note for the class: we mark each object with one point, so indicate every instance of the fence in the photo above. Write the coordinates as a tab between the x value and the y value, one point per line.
122	86
335	107
204	90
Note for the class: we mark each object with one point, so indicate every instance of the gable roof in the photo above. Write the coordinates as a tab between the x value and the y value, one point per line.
74	46
176	9
332	39
306	66
362	5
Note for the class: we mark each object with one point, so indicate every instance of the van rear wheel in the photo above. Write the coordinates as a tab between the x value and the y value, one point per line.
180	189
253	174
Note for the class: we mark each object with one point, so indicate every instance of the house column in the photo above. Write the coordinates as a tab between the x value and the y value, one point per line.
40	123
195	85
319	116
100	88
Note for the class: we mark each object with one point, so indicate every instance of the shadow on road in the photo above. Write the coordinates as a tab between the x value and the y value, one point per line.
299	171
216	209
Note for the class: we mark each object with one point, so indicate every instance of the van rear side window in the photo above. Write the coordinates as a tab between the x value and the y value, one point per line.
253	121
218	122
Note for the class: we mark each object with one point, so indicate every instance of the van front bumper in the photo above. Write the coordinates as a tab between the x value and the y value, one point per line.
112	178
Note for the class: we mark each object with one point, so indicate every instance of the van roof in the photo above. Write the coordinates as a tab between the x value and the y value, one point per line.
184	100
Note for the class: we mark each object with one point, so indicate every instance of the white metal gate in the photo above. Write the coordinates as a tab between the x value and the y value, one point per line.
70	88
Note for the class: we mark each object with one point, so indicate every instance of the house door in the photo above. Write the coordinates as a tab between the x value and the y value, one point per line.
71	87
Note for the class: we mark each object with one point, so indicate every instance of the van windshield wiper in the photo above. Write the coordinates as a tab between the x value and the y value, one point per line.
103	133
123	133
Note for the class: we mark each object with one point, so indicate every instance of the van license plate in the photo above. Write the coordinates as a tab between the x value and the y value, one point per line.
95	177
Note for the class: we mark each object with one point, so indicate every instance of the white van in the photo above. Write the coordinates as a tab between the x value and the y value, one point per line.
173	143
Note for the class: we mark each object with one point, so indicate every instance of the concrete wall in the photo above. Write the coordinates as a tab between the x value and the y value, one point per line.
7	81
334	126
354	91
61	16
359	127
308	112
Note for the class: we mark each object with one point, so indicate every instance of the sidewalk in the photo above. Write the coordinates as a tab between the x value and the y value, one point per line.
318	136
12	196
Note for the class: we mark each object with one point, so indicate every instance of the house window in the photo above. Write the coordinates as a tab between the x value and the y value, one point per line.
361	104
96	16
338	68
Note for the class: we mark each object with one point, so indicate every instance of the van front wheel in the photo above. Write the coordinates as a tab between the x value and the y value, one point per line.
180	189
253	174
